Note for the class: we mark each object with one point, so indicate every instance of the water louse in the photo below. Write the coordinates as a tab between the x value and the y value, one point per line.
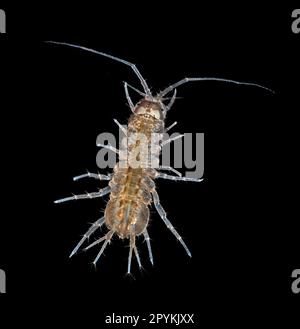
132	188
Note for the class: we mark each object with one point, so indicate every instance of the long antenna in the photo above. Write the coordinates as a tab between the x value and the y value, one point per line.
185	80
133	66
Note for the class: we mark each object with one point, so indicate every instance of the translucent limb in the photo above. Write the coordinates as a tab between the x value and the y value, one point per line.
121	127
170	169
137	256
171	140
131	246
97	241
92	195
136	90
185	80
92	229
107	238
96	176
133	66
147	238
131	105
167	108
185	179
108	147
170	127
163	216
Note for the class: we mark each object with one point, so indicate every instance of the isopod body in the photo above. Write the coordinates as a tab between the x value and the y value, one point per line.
131	185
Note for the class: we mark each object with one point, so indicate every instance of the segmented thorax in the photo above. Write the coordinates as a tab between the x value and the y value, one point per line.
127	211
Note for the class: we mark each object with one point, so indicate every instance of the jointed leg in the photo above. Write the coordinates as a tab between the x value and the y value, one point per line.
96	176
185	179
170	169
170	127
171	140
121	127
92	195
92	229
108	147
163	216
147	238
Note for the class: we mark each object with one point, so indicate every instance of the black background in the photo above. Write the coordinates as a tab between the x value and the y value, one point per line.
240	223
